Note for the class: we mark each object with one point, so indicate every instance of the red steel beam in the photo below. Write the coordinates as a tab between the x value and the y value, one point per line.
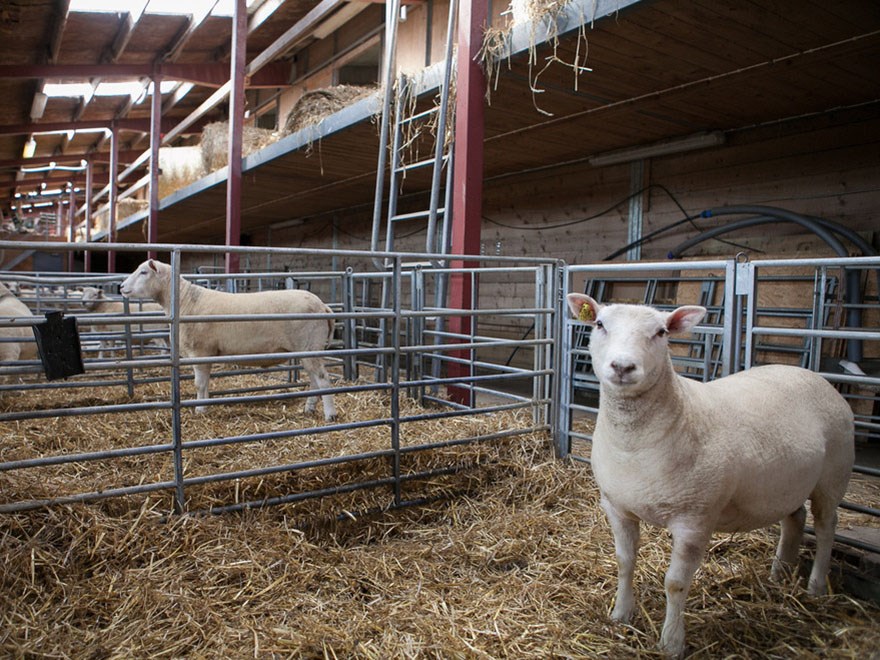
236	126
467	195
87	267
155	142
114	193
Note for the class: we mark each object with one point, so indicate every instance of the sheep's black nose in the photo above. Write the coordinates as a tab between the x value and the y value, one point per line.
623	368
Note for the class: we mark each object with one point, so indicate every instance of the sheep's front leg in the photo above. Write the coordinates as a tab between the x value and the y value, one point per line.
626	547
688	547
203	376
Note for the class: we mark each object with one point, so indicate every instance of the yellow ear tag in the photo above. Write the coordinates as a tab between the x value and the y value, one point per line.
586	313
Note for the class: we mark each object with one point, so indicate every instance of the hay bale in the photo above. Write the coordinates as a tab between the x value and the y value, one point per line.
314	106
124	208
179	167
214	144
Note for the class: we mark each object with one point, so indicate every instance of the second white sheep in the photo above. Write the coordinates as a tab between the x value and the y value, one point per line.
152	279
731	455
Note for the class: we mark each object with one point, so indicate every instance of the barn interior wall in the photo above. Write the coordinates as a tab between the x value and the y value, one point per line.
825	165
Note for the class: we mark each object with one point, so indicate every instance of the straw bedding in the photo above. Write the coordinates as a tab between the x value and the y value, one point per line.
517	564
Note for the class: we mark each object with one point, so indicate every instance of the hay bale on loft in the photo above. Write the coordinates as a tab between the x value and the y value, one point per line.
124	208
314	106
215	143
179	167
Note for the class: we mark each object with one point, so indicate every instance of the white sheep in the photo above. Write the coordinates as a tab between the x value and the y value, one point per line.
731	455
94	300
152	279
10	350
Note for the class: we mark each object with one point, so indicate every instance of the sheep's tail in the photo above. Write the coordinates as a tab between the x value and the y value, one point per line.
331	325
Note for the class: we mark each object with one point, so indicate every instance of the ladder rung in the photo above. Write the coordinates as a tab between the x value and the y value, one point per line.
420	115
414	215
417	165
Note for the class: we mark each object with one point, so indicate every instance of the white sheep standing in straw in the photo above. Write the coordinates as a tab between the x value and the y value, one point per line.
731	455
94	300
152	279
10	351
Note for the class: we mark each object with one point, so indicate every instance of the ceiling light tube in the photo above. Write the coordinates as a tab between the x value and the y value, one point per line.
38	106
663	148
30	148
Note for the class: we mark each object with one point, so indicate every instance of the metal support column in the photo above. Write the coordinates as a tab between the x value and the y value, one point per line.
155	142
636	209
467	196
236	121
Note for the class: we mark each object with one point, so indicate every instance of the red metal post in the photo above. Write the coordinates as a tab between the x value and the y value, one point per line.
87	259
236	122
114	193
71	228
155	142
467	194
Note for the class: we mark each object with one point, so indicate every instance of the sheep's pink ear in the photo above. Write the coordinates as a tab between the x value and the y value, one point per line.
684	319
152	265
583	308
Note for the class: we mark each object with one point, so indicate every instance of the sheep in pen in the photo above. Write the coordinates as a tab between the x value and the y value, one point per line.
502	553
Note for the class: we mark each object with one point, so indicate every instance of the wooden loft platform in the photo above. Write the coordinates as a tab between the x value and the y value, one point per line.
659	71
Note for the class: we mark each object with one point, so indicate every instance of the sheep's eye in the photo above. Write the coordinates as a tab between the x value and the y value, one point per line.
662	332
600	325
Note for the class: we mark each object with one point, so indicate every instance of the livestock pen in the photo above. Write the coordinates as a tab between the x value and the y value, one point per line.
430	520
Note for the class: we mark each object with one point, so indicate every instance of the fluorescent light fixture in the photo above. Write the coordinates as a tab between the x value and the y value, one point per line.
67	89
38	106
662	148
30	148
174	7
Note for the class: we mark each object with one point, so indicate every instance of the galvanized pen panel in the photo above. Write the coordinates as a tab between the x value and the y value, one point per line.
821	314
127	426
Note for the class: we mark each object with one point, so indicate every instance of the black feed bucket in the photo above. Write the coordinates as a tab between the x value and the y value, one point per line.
58	344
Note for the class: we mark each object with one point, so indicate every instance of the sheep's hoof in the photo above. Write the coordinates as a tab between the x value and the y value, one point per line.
201	410
621	614
672	642
331	418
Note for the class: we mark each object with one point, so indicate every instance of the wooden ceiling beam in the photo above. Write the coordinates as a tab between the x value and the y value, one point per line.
180	40
58	30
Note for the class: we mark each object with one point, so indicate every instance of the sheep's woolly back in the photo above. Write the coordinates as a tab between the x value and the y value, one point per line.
238	337
10	306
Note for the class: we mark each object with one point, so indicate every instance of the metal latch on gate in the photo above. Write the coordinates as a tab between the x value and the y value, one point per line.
59	347
744	274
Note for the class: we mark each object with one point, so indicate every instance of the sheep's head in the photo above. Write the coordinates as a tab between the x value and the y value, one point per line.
629	343
146	281
90	296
